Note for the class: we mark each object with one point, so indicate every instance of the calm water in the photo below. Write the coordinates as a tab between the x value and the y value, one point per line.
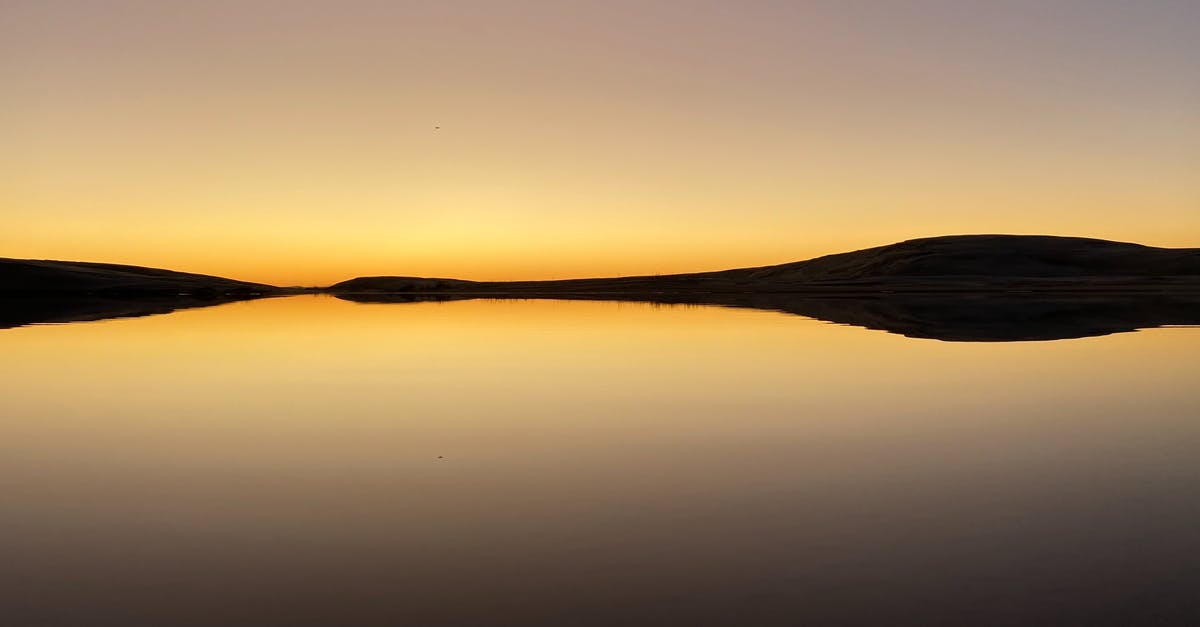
309	461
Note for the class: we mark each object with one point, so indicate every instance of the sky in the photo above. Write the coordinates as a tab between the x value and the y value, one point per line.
299	142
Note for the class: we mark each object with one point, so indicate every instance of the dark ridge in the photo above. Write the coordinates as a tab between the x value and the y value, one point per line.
40	277
968	287
37	291
953	288
1002	256
957	263
402	284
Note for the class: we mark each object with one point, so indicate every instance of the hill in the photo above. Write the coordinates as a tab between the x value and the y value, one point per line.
1001	256
37	291
948	263
41	277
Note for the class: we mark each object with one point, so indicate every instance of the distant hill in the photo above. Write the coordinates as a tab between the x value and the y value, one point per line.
36	291
949	263
1004	256
962	287
38	277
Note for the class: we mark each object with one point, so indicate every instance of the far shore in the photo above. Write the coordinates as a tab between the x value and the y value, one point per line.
955	288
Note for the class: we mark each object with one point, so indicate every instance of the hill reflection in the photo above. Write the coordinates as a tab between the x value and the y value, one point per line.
60	309
956	317
953	317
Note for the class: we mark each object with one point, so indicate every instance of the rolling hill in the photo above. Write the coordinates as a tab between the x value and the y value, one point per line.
42	277
948	263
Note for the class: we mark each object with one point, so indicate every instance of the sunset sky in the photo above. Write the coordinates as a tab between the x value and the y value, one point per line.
302	142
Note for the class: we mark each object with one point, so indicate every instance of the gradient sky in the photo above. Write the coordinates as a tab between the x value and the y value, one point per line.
297	142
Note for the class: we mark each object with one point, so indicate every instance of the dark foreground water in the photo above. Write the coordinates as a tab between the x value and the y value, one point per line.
309	461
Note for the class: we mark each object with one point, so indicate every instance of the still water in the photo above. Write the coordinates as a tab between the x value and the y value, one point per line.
311	461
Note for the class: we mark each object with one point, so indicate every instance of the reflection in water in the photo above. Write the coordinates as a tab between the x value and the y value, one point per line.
963	317
310	461
16	311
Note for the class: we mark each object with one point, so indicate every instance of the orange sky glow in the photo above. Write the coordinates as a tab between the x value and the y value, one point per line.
307	143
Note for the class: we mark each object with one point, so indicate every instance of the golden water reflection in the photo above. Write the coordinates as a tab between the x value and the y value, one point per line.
550	462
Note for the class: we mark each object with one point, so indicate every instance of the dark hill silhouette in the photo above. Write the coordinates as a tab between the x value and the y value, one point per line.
37	291
955	288
1004	256
964	287
950	263
30	276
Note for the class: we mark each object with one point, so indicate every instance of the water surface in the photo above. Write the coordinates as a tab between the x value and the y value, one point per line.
310	461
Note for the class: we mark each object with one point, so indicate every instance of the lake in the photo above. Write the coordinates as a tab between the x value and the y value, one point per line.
313	461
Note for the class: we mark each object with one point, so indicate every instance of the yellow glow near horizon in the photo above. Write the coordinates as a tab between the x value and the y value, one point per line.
472	140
